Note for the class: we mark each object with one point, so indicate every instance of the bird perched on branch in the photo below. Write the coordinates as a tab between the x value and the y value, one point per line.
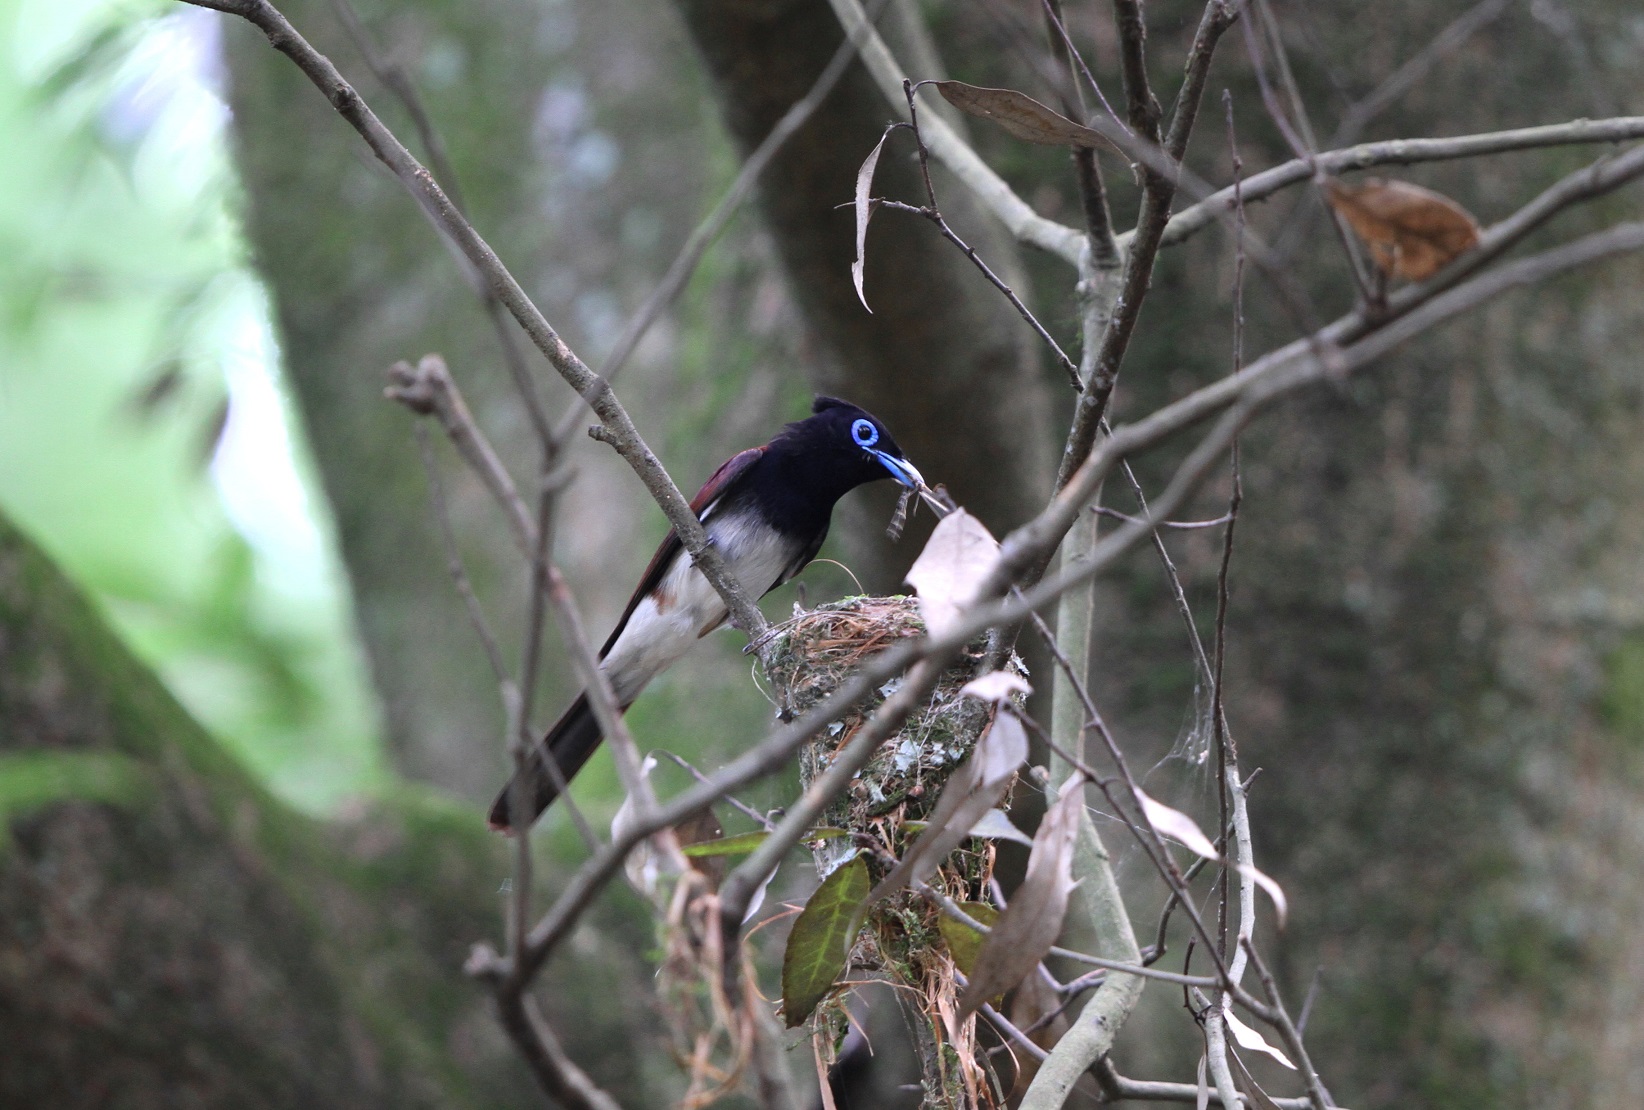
767	512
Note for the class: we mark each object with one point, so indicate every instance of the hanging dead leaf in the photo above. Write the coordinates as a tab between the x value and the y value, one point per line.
1031	923
643	867
864	213
1178	826
1412	232
951	569
1242	1079
821	940
1021	115
996	686
995	825
1253	1041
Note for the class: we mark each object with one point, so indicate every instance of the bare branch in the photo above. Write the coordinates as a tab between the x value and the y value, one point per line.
552	1066
998	197
1408	75
1121	1087
428	390
618	426
1141	106
1397	152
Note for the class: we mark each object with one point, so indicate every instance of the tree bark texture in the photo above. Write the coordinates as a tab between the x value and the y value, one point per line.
171	936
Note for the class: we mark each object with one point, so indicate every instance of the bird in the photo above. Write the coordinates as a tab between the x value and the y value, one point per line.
766	511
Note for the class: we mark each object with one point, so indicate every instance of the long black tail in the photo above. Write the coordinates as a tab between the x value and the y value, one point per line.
569	744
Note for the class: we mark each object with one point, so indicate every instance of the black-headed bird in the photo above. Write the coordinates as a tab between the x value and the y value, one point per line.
766	511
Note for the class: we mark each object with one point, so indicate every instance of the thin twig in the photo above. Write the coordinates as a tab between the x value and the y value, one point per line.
707	232
1408	75
428	390
1263	382
1397	152
618	425
748	811
397	81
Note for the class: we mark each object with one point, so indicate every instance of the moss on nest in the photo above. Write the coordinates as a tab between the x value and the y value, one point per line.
820	649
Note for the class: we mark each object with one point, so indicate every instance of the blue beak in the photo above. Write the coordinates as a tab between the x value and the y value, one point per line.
900	469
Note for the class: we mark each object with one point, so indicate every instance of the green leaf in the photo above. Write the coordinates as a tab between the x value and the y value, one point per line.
821	940
964	943
743	843
739	845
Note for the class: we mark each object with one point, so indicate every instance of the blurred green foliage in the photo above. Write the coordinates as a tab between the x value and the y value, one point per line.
144	439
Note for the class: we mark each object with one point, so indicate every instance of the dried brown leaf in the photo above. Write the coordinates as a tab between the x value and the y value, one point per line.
701	828
1412	232
1031	923
951	569
1020	114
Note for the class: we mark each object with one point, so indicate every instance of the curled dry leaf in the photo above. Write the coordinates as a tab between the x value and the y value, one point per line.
864	213
1253	1041
1180	827
642	865
950	571
995	825
821	940
974	789
996	686
703	827
1412	232
1031	923
1021	115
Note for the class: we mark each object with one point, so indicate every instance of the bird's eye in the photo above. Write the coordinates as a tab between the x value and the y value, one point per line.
864	433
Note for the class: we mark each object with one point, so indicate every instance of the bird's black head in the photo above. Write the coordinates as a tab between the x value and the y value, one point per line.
847	443
814	462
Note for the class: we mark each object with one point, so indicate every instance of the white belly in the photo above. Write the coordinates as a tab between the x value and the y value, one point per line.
685	607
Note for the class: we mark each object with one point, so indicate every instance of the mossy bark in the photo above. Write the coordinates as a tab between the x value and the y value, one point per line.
172	936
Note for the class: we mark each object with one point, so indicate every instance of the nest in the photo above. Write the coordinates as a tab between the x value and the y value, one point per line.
820	649
817	651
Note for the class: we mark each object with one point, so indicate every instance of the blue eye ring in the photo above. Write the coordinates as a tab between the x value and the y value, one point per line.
863	433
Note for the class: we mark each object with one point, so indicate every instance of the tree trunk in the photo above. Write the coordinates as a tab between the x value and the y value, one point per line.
942	357
172	936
